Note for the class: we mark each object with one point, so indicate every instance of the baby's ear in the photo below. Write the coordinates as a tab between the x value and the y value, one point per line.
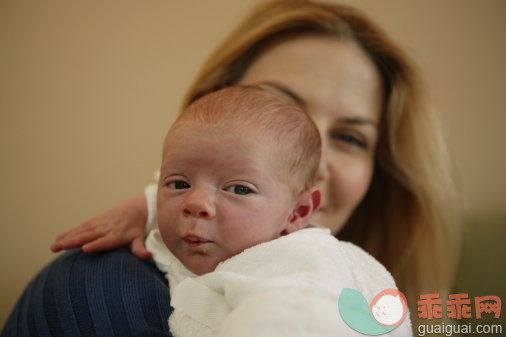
306	205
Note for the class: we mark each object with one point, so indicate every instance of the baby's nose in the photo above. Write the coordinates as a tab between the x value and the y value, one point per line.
199	203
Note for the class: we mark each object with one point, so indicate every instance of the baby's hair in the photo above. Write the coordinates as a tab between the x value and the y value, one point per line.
272	115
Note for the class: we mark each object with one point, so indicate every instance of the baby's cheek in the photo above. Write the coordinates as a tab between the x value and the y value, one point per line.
167	225
163	218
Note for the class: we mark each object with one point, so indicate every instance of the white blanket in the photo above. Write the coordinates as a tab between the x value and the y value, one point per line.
286	287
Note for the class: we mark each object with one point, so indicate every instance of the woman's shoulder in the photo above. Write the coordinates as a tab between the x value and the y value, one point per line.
367	273
362	271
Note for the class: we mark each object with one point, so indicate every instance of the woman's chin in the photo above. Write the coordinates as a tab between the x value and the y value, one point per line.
331	220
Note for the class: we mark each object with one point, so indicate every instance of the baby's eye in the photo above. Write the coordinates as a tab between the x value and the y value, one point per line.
239	189
179	185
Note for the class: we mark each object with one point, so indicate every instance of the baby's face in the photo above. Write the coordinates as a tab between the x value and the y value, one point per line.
220	193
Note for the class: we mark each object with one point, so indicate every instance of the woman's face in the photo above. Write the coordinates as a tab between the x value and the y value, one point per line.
340	88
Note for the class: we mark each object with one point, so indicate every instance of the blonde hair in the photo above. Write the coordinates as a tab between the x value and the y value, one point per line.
408	219
271	116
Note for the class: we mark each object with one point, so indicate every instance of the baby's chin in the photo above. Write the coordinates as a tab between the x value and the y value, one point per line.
201	267
201	270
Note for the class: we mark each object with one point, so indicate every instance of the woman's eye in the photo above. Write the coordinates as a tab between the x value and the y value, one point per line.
179	185
352	140
239	189
349	139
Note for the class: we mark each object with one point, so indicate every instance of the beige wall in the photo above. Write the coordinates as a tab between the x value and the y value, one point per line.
87	89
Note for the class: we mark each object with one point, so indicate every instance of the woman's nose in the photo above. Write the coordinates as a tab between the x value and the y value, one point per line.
199	203
323	169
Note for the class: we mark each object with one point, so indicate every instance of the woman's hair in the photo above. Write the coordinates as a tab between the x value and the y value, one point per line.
408	218
295	139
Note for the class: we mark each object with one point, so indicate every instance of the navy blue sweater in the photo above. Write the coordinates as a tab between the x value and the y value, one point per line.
105	294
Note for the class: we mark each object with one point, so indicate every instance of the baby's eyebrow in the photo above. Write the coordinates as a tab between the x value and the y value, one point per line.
286	91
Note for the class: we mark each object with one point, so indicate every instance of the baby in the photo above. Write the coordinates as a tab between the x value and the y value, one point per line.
235	196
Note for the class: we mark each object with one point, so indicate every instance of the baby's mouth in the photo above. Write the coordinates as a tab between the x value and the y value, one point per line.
195	241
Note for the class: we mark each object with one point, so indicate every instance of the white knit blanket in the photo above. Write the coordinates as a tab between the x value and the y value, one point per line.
286	287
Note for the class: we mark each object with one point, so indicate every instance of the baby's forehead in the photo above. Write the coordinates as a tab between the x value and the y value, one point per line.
249	112
233	132
244	104
245	150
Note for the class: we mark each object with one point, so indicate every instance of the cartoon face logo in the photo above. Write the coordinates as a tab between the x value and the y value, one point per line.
385	313
389	307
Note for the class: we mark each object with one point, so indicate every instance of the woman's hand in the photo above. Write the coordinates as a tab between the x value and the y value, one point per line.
122	225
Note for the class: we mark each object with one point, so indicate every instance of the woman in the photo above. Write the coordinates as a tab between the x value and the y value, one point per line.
385	171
